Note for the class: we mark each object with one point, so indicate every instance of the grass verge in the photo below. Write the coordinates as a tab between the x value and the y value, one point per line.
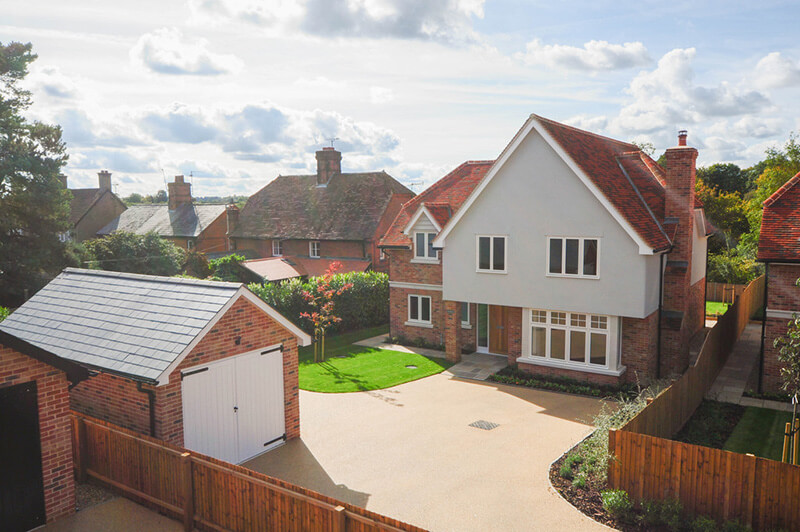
759	432
715	308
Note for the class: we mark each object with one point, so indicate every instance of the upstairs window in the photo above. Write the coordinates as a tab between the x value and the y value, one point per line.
277	248
423	246
573	257
491	254
313	249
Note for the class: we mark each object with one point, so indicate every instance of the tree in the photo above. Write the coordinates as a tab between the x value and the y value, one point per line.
133	199
128	252
727	211
724	178
34	206
227	268
321	300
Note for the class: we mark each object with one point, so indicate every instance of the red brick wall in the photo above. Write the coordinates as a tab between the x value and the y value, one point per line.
353	249
639	348
783	294
395	204
214	238
103	212
398	315
54	426
117	400
401	269
581	376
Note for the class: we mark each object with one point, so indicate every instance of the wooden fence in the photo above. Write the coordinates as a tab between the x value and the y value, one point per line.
673	407
723	292
648	465
207	493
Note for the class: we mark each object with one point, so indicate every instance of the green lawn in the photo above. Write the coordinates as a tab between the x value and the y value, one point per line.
352	368
759	432
715	307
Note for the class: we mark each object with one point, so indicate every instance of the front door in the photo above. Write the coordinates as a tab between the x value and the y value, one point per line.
21	485
498	333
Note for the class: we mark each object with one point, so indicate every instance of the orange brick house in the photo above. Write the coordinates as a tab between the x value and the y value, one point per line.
202	227
572	254
200	364
36	481
91	209
306	222
779	249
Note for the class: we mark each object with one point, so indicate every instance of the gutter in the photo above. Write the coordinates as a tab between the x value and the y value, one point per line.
151	401
763	329
660	309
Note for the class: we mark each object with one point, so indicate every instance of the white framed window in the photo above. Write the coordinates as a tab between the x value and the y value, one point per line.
491	253
574	340
189	244
465	324
383	255
573	257
313	249
419	310
423	247
277	248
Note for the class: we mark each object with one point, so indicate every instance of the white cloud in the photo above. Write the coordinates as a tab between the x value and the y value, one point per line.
165	51
53	83
379	95
588	122
759	127
775	70
667	96
439	20
594	56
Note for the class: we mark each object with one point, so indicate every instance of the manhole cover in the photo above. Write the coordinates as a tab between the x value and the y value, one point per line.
411	366
340	356
485	425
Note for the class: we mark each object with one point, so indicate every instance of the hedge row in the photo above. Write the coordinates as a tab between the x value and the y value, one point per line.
366	304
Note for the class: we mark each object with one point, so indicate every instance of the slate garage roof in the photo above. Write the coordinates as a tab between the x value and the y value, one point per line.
134	325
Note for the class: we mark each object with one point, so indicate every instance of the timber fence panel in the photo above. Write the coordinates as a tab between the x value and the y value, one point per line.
207	493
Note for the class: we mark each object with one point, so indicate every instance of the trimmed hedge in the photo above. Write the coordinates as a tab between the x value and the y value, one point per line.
366	304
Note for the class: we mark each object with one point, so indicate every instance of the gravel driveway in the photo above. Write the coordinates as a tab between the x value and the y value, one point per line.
409	452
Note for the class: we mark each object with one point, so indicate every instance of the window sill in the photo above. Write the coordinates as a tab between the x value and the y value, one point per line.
418	260
423	324
503	272
573	367
465	325
569	276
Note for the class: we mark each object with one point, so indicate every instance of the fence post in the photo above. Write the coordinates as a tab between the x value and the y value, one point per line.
81	450
749	497
339	519
188	493
612	457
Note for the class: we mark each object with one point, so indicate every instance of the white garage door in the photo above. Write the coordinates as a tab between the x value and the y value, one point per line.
233	409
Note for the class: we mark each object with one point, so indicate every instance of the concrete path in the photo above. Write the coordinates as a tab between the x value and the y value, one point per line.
478	366
413	452
732	380
116	515
379	342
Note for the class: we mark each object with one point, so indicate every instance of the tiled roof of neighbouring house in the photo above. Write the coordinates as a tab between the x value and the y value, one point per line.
442	199
185	221
124	323
82	201
349	207
780	224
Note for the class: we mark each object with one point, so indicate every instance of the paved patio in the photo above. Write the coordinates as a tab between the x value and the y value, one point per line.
116	515
416	453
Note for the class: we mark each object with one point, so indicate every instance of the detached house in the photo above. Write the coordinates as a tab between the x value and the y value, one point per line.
202	227
92	208
300	224
572	254
779	249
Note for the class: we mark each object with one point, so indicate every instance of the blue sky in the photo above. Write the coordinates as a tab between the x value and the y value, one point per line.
239	91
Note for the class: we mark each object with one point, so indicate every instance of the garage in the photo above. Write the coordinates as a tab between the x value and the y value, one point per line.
233	408
201	364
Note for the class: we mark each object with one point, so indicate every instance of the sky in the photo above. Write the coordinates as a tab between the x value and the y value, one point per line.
237	92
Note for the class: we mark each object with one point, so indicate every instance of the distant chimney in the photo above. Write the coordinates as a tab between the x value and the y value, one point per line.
679	296
104	179
180	193
232	212
329	163
63	179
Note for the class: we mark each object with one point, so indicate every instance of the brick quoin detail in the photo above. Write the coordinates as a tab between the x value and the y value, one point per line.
54	426
117	400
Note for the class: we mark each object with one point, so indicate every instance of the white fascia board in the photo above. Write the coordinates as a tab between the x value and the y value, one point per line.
414	219
533	124
302	338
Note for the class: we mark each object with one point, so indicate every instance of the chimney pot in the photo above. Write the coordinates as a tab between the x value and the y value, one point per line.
682	134
104	179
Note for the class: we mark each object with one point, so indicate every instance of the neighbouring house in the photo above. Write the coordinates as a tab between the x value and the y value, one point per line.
572	254
202	227
36	480
273	269
91	209
201	364
779	249
313	220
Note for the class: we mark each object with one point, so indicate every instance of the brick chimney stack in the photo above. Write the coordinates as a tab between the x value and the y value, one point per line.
678	311
180	193
329	163
104	179
63	179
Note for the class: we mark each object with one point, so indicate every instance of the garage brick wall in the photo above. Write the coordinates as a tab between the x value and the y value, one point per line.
116	399
54	426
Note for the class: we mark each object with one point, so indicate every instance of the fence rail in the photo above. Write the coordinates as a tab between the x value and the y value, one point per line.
648	465
723	292
207	493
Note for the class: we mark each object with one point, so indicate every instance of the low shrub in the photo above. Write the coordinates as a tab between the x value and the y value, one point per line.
510	375
703	523
735	526
566	471
580	481
618	504
4	313
414	342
